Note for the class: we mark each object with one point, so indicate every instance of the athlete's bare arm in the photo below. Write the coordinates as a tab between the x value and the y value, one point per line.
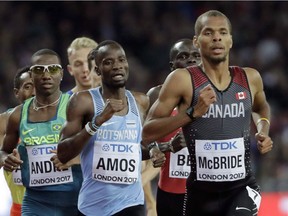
3	124
8	156
153	94
80	110
261	110
143	104
73	136
175	92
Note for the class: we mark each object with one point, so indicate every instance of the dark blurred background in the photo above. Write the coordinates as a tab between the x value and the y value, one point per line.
147	30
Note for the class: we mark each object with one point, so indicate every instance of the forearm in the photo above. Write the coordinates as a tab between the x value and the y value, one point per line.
145	152
157	128
262	119
68	148
149	173
3	155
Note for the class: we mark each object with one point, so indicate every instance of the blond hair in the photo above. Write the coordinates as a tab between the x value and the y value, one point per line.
81	42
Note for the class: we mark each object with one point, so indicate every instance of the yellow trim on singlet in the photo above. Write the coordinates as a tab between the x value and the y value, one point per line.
17	191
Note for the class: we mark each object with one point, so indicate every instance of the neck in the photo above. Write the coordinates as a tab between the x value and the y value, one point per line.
118	93
218	74
80	88
46	99
37	105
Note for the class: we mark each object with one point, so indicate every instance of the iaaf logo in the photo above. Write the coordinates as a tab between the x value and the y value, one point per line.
220	145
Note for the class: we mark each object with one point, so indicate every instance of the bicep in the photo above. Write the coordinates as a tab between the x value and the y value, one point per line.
257	89
153	94
175	90
75	115
11	136
3	124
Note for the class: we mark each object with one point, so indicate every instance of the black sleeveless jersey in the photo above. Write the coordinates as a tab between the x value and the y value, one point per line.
219	141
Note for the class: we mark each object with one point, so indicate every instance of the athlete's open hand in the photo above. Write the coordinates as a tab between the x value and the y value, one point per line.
12	161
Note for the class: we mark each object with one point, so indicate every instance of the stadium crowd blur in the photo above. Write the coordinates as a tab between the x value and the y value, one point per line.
147	30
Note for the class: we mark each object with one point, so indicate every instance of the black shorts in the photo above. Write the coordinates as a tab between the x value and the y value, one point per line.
169	203
138	210
235	202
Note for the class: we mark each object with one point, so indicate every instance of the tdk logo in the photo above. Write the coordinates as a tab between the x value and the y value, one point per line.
207	146
121	148
223	145
43	150
105	147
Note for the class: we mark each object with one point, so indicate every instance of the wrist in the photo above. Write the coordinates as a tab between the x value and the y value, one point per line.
93	123
190	113
153	145
165	146
91	128
171	148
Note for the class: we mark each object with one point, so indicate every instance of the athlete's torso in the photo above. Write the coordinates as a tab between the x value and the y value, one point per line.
111	162
37	139
219	141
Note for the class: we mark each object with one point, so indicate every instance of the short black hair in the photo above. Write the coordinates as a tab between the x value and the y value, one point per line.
90	58
46	52
211	13
20	71
173	51
105	43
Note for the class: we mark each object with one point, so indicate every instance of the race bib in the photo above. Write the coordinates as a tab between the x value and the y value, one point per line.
42	170
115	162
16	175
220	160
179	166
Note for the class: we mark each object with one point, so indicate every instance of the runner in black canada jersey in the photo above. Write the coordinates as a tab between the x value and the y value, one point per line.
215	103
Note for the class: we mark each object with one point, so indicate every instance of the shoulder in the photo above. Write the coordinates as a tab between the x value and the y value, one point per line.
178	78
15	114
252	74
79	98
141	99
154	90
181	73
3	119
177	83
153	94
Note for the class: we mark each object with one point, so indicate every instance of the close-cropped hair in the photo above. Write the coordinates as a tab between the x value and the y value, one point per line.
46	52
106	43
81	42
210	13
173	52
90	58
20	71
